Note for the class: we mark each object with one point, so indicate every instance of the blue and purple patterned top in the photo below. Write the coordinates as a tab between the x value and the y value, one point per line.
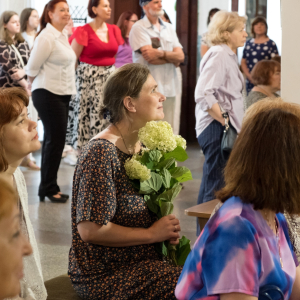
238	252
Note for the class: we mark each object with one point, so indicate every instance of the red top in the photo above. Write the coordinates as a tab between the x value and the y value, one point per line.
96	52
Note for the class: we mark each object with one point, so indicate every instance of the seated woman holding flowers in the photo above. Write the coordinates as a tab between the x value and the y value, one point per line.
113	253
245	246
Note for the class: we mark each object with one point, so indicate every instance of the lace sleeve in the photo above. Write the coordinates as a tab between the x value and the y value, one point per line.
32	285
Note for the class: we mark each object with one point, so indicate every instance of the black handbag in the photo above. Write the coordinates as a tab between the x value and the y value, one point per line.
228	138
268	291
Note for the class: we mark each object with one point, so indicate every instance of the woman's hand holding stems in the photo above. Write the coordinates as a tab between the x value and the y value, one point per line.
113	235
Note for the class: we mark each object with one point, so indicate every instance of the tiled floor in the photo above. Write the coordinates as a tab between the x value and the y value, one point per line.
52	221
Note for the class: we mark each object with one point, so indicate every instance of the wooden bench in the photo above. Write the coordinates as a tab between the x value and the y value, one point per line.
202	211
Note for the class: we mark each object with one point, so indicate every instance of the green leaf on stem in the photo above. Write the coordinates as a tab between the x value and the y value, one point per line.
164	249
171	194
178	153
152	205
145	158
166	208
166	178
165	164
151	185
183	250
155	155
181	174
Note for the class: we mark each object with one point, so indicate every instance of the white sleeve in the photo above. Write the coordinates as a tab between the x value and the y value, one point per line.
175	39
139	37
41	51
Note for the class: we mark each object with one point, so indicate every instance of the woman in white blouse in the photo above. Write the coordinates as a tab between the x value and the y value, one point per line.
51	69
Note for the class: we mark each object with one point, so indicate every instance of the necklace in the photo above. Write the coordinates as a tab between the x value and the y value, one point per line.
128	149
276	234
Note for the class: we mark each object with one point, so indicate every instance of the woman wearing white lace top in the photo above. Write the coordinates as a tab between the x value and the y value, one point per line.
18	138
13	244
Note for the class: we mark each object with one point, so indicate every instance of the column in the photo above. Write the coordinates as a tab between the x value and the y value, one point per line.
290	63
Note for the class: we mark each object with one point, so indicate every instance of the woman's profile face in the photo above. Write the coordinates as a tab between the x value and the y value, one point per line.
61	14
13	247
149	105
276	80
237	38
34	20
260	28
103	10
129	23
20	137
13	25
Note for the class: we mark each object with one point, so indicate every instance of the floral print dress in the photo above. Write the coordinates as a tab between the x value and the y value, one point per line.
102	193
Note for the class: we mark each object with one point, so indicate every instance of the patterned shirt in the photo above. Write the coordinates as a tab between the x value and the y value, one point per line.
238	252
9	60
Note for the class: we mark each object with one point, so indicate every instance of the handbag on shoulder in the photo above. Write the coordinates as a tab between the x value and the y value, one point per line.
228	138
270	292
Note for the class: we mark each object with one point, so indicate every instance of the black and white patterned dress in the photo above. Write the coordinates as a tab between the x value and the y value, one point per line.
10	60
84	120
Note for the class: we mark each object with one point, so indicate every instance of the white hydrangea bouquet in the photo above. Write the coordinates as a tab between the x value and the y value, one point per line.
154	173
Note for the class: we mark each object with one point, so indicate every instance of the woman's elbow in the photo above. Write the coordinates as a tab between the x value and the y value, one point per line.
88	231
85	235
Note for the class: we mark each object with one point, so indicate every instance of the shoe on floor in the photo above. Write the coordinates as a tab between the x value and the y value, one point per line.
71	159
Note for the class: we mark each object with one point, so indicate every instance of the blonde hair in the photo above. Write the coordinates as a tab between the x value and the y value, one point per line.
221	22
269	103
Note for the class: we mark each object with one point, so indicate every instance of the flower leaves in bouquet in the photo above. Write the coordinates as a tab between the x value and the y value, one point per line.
155	174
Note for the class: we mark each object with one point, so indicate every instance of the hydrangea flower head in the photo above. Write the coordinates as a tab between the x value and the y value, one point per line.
158	135
180	141
135	170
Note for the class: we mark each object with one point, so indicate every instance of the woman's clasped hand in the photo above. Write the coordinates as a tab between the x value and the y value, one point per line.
166	228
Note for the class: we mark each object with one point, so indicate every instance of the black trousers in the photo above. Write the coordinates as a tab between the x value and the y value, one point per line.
53	111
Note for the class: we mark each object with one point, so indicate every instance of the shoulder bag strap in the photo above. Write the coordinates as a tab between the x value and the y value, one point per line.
19	55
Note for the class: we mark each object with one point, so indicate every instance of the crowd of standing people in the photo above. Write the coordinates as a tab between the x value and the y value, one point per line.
94	87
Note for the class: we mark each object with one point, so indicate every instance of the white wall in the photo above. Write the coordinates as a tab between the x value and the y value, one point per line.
274	22
169	7
14	5
204	6
290	63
